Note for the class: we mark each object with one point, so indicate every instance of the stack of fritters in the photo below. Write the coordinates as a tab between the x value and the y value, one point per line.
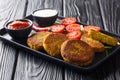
79	52
58	45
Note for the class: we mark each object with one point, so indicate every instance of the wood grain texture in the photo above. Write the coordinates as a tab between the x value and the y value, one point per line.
25	66
30	67
7	61
9	10
110	11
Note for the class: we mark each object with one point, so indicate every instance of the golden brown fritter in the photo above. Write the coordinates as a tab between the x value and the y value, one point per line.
52	43
35	41
109	40
77	52
96	45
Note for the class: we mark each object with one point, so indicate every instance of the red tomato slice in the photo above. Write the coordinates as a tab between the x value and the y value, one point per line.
73	27
87	28
58	28
74	35
67	21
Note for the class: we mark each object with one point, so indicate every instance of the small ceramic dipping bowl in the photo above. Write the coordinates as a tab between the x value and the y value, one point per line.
19	29
44	17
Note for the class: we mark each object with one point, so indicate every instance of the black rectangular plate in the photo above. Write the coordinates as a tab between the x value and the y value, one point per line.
99	57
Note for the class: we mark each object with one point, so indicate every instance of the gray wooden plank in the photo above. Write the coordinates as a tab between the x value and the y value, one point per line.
30	67
110	11
9	10
7	60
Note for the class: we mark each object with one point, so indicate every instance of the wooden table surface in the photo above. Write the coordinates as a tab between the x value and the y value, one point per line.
16	64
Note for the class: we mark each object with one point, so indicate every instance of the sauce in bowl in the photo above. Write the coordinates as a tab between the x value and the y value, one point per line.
16	25
45	13
44	17
19	29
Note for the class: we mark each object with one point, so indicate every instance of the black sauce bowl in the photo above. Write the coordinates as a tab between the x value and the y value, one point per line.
20	33
45	20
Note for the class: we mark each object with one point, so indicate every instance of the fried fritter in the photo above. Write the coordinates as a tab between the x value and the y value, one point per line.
96	45
77	52
106	39
35	41
52	43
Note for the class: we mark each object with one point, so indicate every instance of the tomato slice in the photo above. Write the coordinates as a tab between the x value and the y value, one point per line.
73	27
74	35
87	28
57	28
67	21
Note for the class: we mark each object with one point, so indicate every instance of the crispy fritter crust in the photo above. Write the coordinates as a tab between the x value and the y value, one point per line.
77	52
52	43
35	41
109	40
96	45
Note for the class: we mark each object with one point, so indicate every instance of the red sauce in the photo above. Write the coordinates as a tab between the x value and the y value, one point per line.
16	25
